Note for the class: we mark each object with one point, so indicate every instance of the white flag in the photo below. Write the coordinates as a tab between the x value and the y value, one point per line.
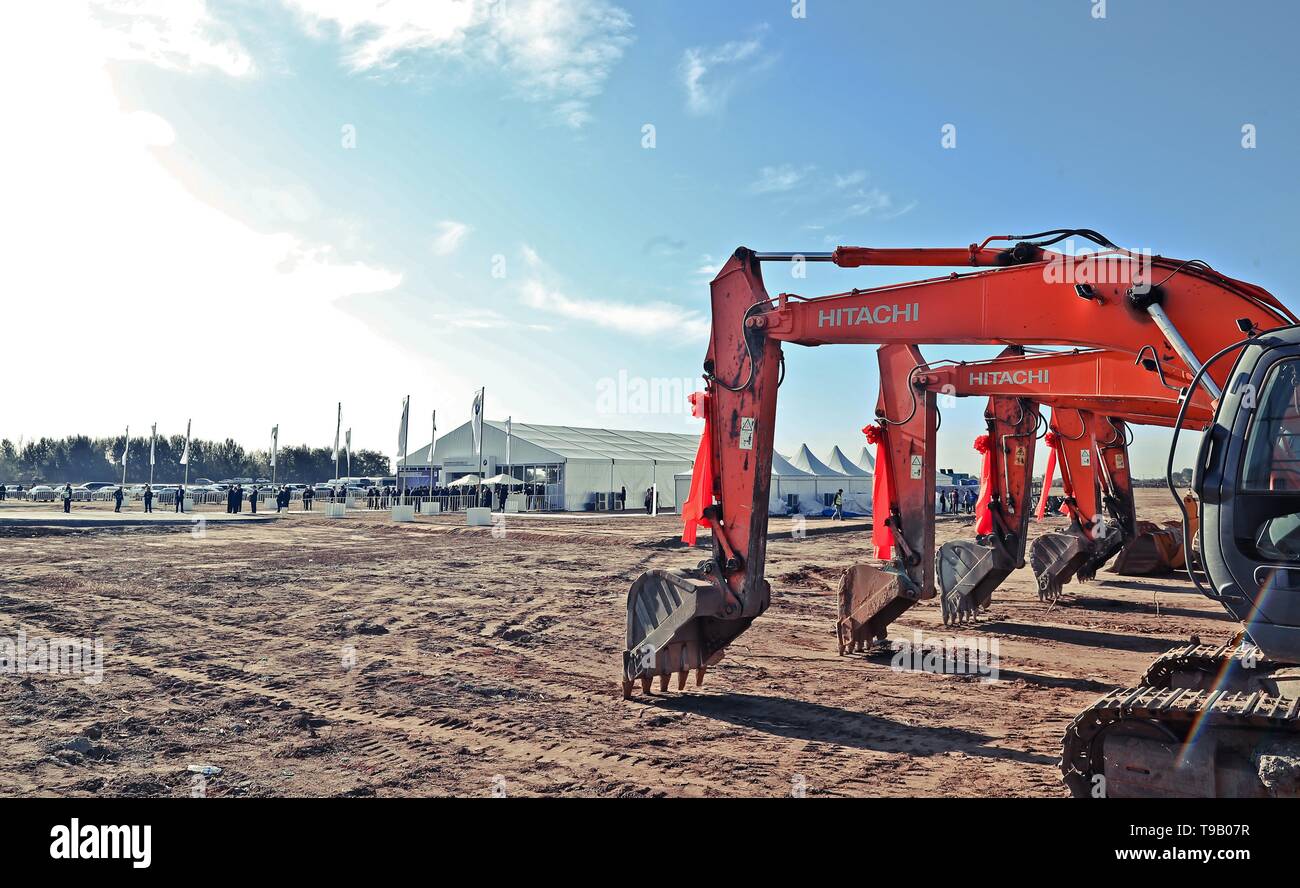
402	429
275	443
338	425
153	436
348	444
185	454
126	450
476	418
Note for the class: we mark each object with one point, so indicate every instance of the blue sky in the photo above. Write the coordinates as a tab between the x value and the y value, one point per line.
184	206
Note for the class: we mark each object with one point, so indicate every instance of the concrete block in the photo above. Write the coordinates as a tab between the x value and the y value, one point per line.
430	508
403	513
336	510
478	517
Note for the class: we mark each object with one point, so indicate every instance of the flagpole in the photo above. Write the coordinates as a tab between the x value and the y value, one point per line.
338	425
275	447
406	408
186	482
349	454
482	426
433	439
126	450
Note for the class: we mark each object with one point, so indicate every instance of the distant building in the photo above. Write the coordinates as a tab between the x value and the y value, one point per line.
952	478
576	469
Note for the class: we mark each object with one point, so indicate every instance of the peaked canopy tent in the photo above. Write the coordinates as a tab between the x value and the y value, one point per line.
856	487
867	460
840	462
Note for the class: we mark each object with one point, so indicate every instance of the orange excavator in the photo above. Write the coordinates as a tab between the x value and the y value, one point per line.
1176	313
1094	395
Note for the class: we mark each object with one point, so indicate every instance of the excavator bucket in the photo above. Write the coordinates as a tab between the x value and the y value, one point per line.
871	597
675	625
1056	558
968	571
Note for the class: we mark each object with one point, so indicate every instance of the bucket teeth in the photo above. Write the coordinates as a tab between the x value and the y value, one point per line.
663	682
699	676
627	689
681	679
645	684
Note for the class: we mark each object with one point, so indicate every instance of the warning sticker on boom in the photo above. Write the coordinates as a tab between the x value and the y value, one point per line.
916	466
747	433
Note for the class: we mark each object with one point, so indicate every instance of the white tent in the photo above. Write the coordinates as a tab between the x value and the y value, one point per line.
465	481
867	460
857	488
845	466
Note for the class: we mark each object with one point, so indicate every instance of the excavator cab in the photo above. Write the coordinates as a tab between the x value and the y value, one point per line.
1247	478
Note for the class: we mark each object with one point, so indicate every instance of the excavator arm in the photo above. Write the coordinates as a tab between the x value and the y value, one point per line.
1025	294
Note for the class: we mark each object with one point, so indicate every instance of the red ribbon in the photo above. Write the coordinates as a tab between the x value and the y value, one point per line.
1053	442
881	496
701	495
984	517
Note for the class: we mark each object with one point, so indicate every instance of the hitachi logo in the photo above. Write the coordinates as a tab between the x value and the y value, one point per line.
869	314
1009	377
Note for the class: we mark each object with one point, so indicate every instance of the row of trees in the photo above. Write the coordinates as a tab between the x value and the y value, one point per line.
80	458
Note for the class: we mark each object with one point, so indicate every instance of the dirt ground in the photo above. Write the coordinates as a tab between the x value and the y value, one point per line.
361	657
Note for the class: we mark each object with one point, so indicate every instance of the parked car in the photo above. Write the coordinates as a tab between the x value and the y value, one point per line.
42	493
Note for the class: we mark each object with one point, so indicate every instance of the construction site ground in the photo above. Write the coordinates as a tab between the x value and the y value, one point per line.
359	657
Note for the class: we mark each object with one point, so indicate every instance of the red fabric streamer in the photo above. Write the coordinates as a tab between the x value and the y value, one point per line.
881	496
984	517
701	495
1051	440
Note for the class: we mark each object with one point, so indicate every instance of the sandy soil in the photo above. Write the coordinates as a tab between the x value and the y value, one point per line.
362	657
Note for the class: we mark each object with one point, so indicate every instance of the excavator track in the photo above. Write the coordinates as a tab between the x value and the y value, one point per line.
1176	666
1180	742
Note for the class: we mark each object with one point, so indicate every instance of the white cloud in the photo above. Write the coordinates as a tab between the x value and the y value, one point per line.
779	178
711	74
848	180
450	236
559	52
177	34
109	253
639	319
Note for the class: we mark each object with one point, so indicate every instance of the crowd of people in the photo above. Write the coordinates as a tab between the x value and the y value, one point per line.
956	500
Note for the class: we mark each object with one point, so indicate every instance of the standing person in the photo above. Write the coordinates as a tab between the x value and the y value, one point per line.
307	494
649	500
117	499
252	500
180	498
230	500
622	498
67	498
839	505
148	497
2	493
